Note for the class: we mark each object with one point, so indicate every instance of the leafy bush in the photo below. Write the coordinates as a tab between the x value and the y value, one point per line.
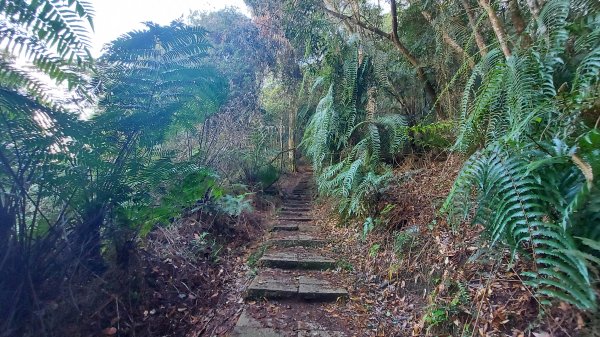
235	205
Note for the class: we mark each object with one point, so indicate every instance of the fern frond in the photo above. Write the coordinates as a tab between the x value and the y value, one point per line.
512	206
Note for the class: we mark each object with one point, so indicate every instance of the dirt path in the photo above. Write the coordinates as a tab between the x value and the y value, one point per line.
296	291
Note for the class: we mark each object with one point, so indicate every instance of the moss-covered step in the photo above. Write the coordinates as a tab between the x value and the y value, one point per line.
293	260
295	209
285	227
288	286
294	218
296	239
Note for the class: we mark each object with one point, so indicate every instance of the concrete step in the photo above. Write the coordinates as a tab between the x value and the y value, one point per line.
296	201
290	259
290	218
296	204
296	239
244	331
286	286
295	209
248	326
286	227
298	214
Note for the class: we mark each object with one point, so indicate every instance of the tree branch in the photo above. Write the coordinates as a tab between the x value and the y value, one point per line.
393	37
357	22
449	40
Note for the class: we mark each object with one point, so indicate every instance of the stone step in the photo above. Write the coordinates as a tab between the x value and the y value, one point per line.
295	209
299	239
289	227
296	260
297	214
244	331
288	218
296	204
284	228
248	326
291	218
286	286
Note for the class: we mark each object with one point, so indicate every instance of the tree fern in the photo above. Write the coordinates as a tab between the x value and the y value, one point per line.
52	35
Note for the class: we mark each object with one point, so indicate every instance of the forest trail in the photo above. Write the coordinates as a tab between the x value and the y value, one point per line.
294	293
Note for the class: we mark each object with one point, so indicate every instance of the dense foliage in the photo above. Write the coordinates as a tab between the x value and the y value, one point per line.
90	168
194	116
512	84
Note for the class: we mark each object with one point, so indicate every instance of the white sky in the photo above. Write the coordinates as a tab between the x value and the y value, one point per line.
116	17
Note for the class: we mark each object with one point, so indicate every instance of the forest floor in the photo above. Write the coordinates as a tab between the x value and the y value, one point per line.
413	275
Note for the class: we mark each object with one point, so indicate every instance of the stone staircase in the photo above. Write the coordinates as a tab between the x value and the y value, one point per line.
292	293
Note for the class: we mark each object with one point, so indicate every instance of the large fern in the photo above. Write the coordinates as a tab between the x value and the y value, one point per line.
519	96
534	184
347	141
512	196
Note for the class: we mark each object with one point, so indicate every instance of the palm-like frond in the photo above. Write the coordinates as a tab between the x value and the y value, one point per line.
512	201
346	142
52	35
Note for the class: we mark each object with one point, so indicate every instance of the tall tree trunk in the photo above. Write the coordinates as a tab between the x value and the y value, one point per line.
478	37
449	40
497	26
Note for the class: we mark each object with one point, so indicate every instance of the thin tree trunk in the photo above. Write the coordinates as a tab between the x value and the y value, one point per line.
497	26
478	37
291	143
515	16
281	145
449	40
88	240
